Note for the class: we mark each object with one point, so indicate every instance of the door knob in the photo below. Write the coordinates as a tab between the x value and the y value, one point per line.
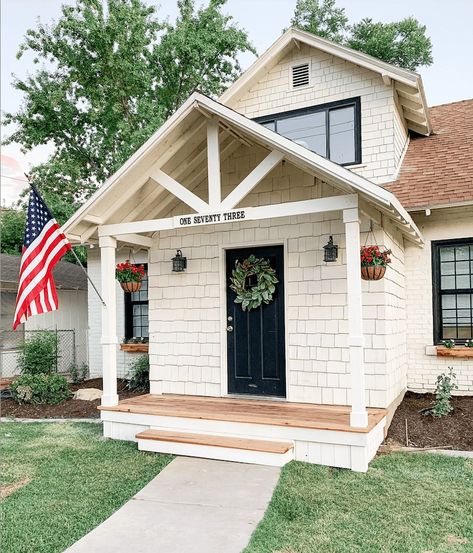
229	328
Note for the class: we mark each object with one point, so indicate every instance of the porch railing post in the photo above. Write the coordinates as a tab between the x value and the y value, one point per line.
359	414
109	320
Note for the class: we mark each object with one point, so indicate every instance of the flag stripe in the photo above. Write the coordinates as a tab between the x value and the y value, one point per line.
43	246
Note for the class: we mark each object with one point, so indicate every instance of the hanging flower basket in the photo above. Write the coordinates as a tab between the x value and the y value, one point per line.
129	276
374	262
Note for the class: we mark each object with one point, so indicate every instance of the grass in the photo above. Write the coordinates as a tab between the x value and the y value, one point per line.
63	480
406	503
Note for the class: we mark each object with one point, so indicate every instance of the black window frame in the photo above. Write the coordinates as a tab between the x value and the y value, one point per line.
355	102
438	293
129	303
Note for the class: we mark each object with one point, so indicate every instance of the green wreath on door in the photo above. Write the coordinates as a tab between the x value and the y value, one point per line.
262	291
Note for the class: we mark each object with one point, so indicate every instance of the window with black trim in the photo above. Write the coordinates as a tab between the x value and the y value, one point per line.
332	130
136	311
452	265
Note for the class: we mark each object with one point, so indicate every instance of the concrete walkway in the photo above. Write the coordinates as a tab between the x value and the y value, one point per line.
194	505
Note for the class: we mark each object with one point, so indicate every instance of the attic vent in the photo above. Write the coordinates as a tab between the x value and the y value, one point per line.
300	75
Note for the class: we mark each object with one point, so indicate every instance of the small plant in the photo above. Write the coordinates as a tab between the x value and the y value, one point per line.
469	343
40	388
39	353
138	375
443	394
136	340
78	373
127	272
449	344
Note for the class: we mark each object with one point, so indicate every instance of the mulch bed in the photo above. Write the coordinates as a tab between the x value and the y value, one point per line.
71	408
454	431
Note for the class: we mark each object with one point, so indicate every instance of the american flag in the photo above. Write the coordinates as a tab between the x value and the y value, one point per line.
43	246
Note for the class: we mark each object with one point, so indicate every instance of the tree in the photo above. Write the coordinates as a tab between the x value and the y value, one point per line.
12	227
403	43
108	78
321	18
198	52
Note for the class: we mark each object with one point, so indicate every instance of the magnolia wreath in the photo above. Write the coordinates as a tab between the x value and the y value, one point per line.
262	292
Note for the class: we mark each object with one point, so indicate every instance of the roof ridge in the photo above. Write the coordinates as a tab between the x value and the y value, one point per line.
465	100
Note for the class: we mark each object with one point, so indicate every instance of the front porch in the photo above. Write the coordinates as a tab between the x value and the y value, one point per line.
210	183
246	430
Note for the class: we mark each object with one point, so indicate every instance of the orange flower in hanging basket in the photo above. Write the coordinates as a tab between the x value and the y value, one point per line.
374	262
129	276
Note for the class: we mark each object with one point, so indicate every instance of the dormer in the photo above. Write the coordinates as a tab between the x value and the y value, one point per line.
340	103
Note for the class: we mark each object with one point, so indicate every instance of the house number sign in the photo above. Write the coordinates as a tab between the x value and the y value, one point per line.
210	218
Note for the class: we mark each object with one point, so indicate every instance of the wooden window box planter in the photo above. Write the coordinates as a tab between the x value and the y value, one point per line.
459	351
141	348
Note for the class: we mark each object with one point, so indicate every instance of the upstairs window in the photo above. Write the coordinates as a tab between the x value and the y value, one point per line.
452	262
136	311
331	130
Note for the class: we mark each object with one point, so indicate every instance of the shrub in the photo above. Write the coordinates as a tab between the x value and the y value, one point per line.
138	376
39	352
443	394
40	388
78	373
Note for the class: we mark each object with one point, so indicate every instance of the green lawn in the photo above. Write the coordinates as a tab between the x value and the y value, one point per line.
406	503
68	479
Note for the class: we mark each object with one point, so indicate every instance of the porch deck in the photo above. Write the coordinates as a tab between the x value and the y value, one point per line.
246	430
251	411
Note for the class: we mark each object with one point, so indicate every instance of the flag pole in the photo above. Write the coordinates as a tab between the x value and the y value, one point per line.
72	249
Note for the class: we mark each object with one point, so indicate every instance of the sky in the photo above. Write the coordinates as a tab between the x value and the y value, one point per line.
450	78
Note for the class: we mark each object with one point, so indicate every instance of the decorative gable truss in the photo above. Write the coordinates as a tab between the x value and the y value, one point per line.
188	152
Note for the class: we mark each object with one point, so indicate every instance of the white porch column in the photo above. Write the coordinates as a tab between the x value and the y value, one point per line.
108	246
358	415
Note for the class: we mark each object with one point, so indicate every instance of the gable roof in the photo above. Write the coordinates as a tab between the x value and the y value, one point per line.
162	144
438	170
407	84
67	276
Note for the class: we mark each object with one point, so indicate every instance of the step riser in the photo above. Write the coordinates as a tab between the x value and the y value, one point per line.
220	453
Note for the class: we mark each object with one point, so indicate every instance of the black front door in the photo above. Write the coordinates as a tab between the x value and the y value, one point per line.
255	345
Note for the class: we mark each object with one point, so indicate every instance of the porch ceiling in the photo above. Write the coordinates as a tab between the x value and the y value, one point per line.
174	162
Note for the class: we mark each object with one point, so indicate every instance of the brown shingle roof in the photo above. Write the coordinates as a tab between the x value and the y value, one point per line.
438	169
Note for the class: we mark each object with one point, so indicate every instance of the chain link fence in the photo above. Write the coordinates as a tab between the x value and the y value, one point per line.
71	350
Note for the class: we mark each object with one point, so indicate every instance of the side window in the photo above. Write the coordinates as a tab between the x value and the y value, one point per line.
453	289
136	311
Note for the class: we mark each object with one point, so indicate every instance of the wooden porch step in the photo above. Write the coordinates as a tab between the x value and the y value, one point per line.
228	448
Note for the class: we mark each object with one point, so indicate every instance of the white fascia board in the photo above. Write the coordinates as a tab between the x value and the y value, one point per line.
161	133
359	58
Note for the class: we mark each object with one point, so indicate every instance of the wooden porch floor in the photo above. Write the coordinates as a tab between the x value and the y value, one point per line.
252	411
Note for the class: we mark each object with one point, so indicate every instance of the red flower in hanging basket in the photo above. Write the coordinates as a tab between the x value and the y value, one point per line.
374	262
127	272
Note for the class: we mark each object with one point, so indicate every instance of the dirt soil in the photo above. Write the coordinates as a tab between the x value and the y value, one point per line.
454	431
71	408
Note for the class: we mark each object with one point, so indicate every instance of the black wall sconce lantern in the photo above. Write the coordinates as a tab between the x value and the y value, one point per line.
179	263
330	251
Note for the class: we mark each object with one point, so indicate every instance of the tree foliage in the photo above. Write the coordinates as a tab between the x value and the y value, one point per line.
403	43
109	73
320	18
12	227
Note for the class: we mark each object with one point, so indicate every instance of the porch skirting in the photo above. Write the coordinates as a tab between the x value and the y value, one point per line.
324	440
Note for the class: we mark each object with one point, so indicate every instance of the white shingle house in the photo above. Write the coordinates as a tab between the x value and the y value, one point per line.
297	154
